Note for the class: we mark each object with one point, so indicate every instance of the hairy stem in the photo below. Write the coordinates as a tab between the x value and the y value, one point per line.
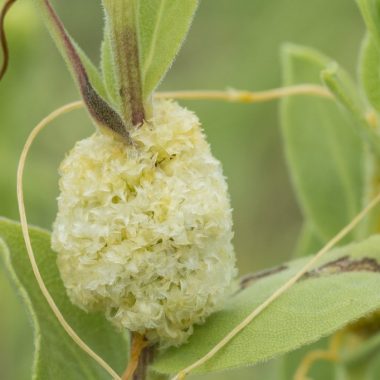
102	113
121	16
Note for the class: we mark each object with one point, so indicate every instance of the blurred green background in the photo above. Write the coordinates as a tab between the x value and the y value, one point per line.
233	43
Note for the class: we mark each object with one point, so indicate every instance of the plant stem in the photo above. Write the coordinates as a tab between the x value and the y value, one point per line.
124	37
286	286
138	344
247	96
3	40
28	243
102	113
145	359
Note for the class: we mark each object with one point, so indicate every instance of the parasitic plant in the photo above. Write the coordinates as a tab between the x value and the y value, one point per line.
143	234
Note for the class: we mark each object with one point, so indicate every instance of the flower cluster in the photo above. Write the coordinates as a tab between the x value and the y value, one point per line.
144	230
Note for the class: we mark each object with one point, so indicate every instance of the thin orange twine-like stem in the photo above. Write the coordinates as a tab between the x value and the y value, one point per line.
235	331
138	345
25	231
247	96
231	95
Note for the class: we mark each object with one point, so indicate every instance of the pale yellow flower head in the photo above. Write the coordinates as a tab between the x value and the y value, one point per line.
144	231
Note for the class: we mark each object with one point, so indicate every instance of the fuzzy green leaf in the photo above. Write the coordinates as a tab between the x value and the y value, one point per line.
85	74
370	71
163	25
16	343
108	69
343	287
56	355
370	10
323	151
347	96
345	91
92	72
154	30
122	28
57	36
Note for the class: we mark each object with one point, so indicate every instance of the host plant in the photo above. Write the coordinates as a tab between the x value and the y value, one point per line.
143	232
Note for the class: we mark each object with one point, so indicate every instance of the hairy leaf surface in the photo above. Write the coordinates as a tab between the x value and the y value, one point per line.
163	25
83	71
91	69
370	71
323	151
370	10
108	69
340	289
347	95
56	355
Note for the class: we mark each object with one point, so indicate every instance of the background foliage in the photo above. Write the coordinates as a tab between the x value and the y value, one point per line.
231	44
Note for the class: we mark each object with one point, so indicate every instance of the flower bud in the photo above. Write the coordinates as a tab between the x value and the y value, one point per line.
143	232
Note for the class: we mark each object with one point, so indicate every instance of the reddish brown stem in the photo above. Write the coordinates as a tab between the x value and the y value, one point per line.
100	110
146	358
138	345
3	39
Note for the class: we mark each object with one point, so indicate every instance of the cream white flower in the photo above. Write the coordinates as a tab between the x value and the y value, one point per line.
144	231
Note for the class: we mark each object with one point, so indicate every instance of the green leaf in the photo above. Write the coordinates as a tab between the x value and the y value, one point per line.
122	27
163	25
92	72
369	70
370	10
323	152
346	92
56	355
342	288
145	36
16	343
90	68
83	72
108	70
347	96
